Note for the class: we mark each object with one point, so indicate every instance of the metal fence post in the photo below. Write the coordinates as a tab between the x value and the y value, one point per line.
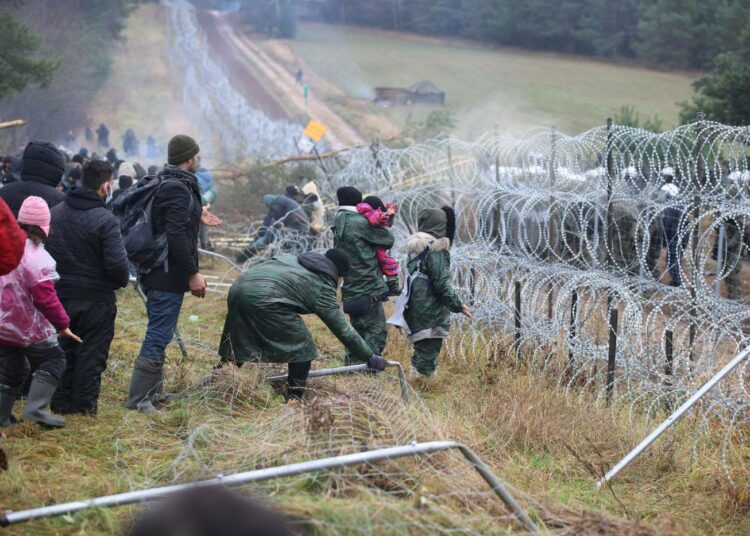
572	330
668	368
612	357
517	319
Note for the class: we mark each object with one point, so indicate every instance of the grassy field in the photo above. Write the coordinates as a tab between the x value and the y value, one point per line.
488	87
548	444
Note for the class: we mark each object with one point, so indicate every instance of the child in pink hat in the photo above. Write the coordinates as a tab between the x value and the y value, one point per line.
31	317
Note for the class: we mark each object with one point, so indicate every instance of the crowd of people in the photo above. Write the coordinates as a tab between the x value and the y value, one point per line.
70	241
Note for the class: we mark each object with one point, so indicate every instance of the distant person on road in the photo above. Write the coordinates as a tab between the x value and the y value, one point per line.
31	318
263	321
299	75
102	134
177	213
42	168
92	264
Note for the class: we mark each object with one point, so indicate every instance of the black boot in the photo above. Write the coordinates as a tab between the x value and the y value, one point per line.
8	396
42	388
147	375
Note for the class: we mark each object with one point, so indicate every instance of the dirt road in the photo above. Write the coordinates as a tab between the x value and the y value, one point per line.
239	69
267	84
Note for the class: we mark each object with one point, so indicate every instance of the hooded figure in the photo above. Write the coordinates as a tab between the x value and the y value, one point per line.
42	168
431	296
364	289
263	321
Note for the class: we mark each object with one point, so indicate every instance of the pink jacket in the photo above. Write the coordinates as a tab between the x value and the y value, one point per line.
30	311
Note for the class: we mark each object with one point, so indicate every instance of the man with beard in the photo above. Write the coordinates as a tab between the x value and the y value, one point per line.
177	213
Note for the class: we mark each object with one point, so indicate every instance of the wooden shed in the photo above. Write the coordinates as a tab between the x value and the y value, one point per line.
427	92
422	92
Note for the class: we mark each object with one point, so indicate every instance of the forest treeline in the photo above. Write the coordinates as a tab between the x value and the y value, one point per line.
59	55
685	34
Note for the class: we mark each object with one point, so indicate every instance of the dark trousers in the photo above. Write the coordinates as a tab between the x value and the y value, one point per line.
372	328
16	362
297	378
94	323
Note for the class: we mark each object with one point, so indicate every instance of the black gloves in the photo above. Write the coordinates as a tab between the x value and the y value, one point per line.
376	362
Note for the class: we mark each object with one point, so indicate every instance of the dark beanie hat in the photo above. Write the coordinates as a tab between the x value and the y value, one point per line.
42	162
374	202
75	173
340	259
348	196
292	191
181	148
125	182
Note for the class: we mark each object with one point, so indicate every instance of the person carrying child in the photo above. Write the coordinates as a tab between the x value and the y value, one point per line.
31	317
381	214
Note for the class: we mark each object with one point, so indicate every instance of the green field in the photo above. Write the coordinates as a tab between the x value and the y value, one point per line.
490	87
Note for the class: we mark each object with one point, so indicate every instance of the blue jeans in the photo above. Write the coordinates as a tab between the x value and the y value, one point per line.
163	310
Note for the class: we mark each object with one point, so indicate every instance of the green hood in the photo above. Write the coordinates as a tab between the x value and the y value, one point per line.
433	221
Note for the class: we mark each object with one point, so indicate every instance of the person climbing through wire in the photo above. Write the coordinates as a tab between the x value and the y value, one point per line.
263	322
423	310
284	211
382	215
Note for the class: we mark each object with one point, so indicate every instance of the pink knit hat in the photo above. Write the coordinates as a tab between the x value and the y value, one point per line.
35	211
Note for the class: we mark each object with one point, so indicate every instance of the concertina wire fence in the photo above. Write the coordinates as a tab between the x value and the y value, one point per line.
564	242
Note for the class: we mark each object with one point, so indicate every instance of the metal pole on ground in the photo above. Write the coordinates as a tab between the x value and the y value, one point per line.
351	369
259	475
643	445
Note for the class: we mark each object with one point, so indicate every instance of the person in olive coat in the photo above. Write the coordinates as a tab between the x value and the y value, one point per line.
265	304
432	297
364	290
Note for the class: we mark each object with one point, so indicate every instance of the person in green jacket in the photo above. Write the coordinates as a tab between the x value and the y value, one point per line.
364	289
263	321
432	297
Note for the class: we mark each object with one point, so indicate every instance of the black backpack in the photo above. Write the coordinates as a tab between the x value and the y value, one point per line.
134	209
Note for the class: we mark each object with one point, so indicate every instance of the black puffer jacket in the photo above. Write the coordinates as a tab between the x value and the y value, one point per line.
42	168
175	214
86	244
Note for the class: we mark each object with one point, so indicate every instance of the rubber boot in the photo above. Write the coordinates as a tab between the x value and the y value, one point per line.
42	388
8	396
147	375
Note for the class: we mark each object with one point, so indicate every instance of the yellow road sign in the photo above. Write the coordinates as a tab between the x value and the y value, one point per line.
315	130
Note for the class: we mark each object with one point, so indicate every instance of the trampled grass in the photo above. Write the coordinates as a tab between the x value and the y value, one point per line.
488	87
549	445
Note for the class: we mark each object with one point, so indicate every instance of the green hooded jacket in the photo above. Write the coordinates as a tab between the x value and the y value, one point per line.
264	306
432	297
354	234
